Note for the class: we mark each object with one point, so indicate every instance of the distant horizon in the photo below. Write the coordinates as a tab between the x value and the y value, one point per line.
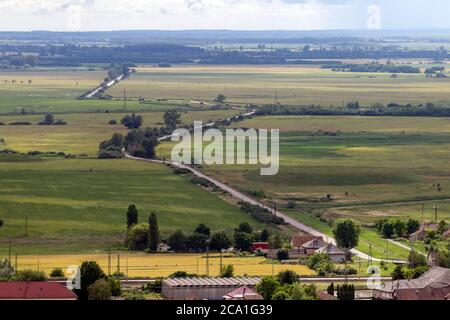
446	29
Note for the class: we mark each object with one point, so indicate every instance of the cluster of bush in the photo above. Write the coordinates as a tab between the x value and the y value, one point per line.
324	266
49	120
261	214
286	286
112	148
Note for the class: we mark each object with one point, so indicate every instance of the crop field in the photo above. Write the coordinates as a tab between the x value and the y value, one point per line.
84	131
162	265
77	205
290	84
54	90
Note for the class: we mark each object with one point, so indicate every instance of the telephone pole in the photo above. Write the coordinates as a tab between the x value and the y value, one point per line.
109	261
436	212
124	99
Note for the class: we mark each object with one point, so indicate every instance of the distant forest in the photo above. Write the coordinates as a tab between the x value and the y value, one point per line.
41	48
20	55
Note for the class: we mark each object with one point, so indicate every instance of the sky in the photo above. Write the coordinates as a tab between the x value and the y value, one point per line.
103	15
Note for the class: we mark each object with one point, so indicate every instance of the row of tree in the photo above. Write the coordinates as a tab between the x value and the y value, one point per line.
146	236
355	109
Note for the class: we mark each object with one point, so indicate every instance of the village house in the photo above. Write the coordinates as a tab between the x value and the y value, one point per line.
420	234
312	246
35	291
298	240
336	254
433	285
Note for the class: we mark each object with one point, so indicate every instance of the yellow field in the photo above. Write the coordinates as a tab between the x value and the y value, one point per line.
291	84
161	265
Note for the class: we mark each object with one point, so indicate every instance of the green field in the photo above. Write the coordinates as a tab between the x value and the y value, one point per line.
84	131
79	205
291	85
55	90
370	166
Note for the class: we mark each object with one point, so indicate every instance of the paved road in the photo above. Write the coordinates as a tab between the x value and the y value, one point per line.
242	197
404	246
106	86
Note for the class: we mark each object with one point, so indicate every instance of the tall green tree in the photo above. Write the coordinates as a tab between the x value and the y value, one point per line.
90	272
132	216
220	241
346	232
153	233
172	118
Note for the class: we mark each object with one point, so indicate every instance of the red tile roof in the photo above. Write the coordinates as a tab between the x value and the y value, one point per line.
35	291
298	241
264	246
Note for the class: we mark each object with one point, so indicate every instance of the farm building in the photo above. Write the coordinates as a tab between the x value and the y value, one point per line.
35	291
204	288
433	285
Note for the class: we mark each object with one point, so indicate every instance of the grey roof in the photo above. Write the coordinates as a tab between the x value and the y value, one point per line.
212	282
436	277
314	244
330	249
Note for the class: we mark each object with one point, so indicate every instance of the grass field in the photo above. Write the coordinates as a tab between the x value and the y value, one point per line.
84	131
54	90
162	265
79	205
374	168
291	84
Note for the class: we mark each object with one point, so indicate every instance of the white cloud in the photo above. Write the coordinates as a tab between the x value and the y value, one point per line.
212	14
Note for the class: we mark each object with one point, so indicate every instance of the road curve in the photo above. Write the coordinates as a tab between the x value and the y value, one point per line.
242	197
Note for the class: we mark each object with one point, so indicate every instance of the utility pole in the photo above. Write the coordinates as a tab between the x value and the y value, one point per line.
436	212
370	254
221	265
109	261
207	261
124	99
197	266
423	213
